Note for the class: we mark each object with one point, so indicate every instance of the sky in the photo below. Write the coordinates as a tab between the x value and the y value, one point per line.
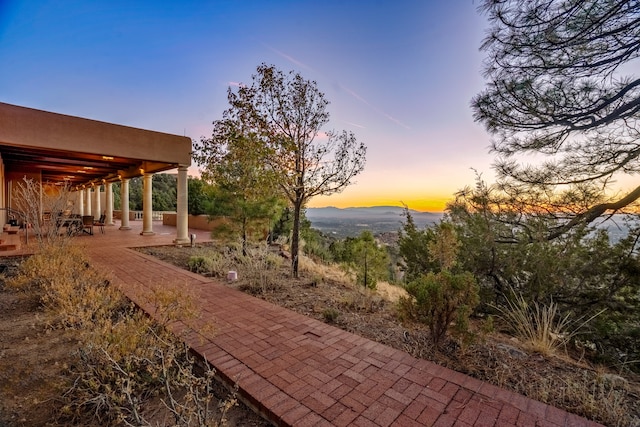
400	74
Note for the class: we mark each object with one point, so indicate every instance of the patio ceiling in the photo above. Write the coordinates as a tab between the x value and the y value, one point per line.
72	168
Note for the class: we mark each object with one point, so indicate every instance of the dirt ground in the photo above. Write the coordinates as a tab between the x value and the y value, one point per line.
564	380
34	362
33	358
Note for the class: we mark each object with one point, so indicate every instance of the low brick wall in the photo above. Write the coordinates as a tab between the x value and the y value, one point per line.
198	222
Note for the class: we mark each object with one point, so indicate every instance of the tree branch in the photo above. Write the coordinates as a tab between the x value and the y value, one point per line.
595	212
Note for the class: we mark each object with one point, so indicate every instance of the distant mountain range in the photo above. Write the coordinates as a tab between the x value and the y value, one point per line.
343	222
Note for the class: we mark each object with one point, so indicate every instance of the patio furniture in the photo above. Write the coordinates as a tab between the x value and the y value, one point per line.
87	224
73	223
100	223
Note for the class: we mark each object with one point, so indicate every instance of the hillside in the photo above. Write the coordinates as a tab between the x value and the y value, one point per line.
350	222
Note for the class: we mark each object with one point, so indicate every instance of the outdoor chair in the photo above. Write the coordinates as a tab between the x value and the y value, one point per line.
73	223
100	223
87	224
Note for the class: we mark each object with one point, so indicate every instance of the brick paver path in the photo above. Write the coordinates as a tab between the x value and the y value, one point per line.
301	372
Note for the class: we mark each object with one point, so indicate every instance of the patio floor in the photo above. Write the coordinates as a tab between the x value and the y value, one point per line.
297	371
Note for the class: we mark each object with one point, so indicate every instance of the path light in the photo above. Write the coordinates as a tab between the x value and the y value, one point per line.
193	240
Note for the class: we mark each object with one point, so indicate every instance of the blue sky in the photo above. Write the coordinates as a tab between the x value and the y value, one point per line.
399	74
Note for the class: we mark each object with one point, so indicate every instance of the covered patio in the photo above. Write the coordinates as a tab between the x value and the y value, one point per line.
88	157
114	238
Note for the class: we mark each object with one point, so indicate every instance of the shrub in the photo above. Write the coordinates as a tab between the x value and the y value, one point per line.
260	267
210	263
437	299
72	292
127	359
198	264
128	362
330	315
132	359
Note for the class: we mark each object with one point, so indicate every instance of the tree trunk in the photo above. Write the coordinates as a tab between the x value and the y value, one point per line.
244	236
366	285
295	237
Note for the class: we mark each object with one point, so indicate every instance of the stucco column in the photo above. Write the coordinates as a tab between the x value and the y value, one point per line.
108	200
147	205
124	202
97	208
80	196
87	204
182	207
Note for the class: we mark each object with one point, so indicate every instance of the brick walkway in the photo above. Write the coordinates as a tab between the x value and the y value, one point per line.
301	372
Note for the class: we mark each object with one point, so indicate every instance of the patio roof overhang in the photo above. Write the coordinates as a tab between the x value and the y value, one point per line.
79	151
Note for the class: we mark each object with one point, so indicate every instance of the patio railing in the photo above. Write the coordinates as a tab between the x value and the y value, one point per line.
137	215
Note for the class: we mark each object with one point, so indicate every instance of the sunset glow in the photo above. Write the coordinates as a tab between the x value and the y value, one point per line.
430	204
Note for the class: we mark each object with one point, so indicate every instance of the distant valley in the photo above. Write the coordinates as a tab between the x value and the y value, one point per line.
350	222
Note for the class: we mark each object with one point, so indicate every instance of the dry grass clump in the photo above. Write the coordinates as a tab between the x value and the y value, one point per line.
74	294
322	272
541	327
260	268
329	272
130	369
391	292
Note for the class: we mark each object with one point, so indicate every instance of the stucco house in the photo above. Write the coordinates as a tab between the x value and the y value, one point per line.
89	156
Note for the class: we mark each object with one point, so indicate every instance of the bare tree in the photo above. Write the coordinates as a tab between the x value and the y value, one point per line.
283	114
41	206
558	86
